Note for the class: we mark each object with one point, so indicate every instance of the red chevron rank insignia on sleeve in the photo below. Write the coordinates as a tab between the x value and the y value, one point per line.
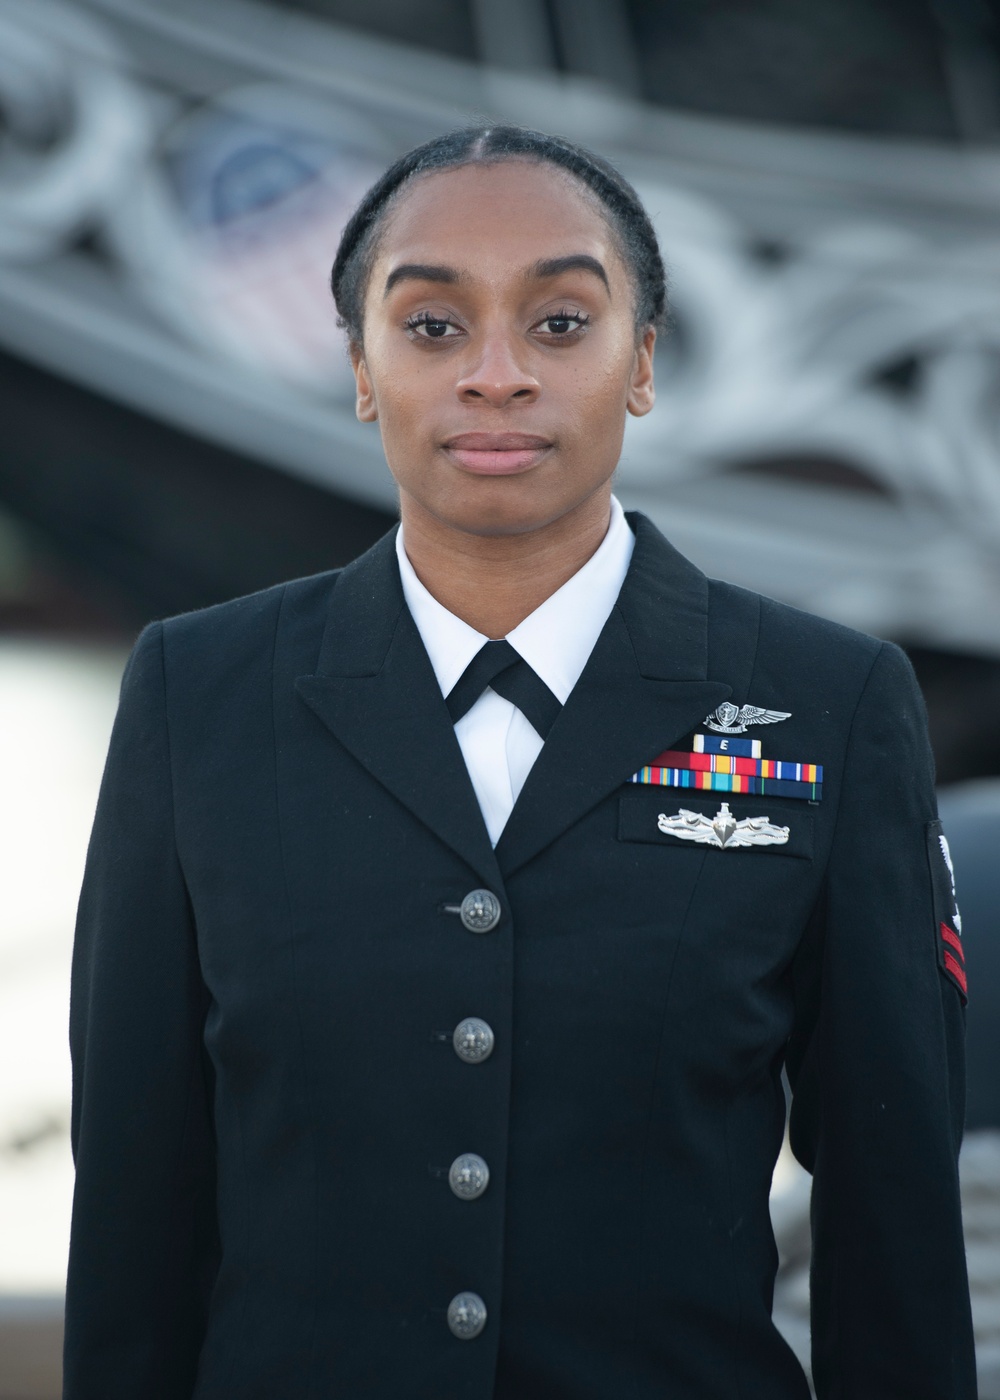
954	958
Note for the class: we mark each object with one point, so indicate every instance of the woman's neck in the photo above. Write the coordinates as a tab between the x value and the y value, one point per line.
493	582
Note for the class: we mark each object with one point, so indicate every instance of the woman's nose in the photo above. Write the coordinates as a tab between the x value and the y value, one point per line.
497	376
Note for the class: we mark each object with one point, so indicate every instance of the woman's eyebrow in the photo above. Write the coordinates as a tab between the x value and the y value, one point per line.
544	268
572	262
419	272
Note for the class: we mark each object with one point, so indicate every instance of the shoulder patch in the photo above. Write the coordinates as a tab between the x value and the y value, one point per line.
947	918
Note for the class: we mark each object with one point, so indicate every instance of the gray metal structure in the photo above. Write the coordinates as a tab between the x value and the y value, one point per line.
174	178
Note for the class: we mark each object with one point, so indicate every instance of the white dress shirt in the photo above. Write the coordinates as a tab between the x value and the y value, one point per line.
497	742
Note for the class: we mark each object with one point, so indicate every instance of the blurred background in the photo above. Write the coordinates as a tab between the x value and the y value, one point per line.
176	421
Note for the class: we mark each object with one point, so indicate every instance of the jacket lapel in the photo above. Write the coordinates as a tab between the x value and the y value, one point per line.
375	690
643	688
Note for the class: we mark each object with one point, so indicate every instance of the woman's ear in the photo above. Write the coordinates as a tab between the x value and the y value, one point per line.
365	406
641	391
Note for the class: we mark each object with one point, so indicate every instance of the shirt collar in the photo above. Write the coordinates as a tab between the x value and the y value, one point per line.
450	643
556	639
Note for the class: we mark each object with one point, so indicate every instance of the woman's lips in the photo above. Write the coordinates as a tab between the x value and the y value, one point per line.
496	454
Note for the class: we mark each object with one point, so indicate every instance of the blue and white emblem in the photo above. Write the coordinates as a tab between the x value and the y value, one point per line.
956	916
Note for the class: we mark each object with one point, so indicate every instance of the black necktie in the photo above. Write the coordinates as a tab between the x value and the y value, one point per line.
497	664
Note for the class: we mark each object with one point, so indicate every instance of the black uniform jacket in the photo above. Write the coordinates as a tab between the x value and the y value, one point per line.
269	970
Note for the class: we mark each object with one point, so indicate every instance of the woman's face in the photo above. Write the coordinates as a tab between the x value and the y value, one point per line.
500	351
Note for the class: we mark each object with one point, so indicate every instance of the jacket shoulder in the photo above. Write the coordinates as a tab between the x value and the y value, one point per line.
242	633
800	658
252	610
781	624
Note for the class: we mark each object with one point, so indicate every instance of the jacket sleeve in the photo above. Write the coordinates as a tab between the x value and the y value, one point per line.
876	1064
143	1249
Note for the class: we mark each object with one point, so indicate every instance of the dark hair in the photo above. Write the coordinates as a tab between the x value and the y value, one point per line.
482	145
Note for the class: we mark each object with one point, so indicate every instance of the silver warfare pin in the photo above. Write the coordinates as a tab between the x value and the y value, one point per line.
723	830
731	719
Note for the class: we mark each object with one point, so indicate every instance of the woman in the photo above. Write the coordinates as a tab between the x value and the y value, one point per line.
435	972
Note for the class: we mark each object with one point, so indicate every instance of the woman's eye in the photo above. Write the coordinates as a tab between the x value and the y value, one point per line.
432	327
562	323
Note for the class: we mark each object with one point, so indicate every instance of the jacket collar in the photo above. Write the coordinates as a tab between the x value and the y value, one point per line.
644	687
375	690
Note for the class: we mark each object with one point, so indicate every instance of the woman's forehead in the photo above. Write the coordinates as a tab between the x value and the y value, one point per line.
518	211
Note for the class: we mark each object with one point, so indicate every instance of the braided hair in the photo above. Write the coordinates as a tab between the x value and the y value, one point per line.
490	145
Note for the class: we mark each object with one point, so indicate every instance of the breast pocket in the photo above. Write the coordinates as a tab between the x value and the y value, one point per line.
726	825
